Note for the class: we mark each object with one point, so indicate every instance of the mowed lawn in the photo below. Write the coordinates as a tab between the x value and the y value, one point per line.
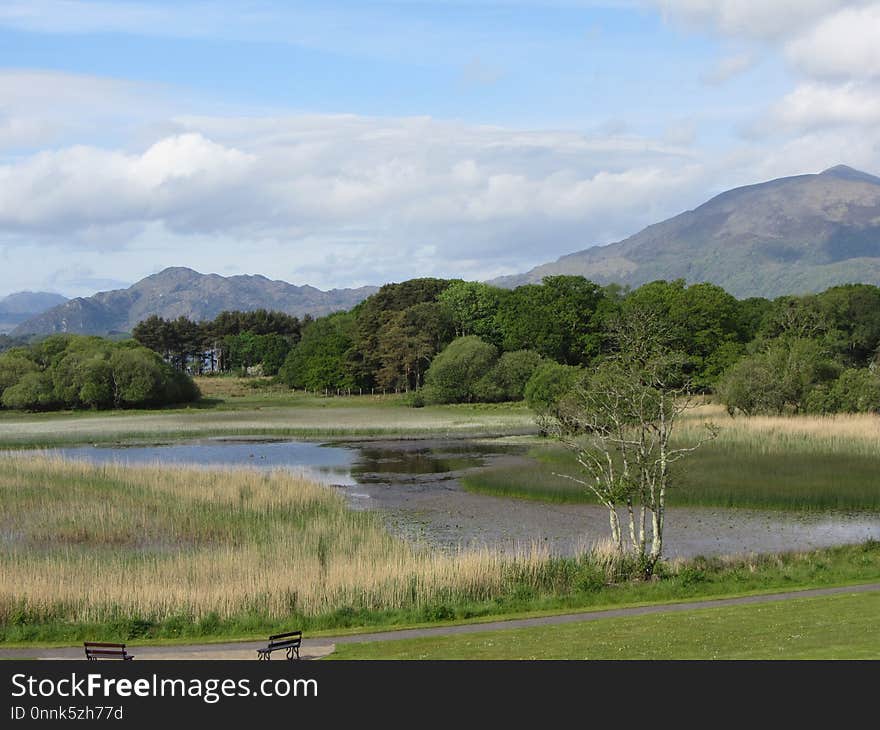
829	627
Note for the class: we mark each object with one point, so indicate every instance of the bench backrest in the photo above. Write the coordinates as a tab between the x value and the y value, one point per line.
291	638
104	649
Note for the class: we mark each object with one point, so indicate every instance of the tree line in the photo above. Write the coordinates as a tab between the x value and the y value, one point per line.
234	340
75	371
454	341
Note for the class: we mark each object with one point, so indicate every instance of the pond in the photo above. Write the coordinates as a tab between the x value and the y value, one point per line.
415	485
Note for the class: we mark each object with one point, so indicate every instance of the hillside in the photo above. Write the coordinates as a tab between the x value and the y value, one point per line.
178	291
22	306
788	236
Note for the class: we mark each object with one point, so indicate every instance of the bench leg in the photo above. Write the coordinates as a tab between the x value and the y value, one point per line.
290	652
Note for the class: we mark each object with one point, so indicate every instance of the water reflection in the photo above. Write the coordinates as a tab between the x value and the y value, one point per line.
415	486
327	464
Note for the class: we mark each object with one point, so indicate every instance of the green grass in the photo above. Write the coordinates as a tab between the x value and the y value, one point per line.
828	627
273	414
721	474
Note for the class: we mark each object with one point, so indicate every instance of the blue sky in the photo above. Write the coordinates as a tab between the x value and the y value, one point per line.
343	143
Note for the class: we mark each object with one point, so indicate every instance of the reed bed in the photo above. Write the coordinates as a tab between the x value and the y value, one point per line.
793	463
91	544
850	434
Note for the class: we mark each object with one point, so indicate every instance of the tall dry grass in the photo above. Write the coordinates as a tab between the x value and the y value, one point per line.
803	463
854	434
87	543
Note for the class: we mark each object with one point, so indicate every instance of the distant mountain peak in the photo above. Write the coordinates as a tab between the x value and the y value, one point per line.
845	172
792	235
178	291
23	305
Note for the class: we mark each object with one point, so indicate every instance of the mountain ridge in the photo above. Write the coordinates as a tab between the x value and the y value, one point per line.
179	291
21	306
790	235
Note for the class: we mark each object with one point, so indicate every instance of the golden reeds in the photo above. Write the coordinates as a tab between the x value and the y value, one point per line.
87	543
856	434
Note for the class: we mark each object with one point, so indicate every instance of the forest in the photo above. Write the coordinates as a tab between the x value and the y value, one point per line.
456	341
449	341
233	340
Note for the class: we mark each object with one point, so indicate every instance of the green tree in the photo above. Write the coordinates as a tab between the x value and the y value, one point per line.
15	364
620	426
83	362
856	390
376	319
852	316
97	387
320	360
557	319
139	377
473	309
778	378
703	322
408	341
508	377
455	372
73	371
548	386
33	392
274	349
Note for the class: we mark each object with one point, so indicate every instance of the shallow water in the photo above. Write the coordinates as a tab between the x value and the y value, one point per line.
329	465
415	485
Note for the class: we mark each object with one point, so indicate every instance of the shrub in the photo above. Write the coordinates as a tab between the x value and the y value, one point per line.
508	377
89	372
455	372
548	385
855	391
32	393
780	378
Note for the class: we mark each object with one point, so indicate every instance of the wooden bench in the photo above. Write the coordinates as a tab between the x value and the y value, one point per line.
101	650
289	641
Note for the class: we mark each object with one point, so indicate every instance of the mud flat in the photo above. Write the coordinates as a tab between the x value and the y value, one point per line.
415	485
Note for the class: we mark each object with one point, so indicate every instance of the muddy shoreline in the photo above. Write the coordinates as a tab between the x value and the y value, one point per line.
415	485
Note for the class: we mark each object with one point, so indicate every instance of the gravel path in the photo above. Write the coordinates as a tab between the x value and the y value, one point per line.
316	648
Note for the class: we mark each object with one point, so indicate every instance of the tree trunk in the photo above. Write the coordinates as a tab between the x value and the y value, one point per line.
616	537
632	524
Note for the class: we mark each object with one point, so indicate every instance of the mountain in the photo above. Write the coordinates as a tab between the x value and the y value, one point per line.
788	236
177	292
21	306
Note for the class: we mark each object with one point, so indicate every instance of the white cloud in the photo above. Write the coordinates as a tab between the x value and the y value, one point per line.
338	199
816	105
831	46
80	187
843	45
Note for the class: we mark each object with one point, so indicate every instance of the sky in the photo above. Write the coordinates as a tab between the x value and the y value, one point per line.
343	143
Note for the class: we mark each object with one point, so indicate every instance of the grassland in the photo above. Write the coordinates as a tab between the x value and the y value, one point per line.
829	627
234	407
98	544
135	552
798	463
